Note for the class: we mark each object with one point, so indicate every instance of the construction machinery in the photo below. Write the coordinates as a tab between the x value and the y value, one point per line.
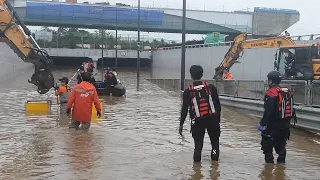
294	61
16	35
298	61
241	43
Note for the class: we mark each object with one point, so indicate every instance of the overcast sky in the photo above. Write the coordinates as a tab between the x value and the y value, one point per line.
309	11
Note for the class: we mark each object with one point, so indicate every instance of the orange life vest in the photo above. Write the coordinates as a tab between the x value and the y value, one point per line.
285	103
201	101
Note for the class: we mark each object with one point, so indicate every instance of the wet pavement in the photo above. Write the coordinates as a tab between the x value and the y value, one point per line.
137	139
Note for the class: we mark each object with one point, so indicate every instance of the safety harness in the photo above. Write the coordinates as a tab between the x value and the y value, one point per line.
285	103
201	101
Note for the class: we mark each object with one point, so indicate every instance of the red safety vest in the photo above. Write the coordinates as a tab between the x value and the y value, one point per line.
285	103
201	101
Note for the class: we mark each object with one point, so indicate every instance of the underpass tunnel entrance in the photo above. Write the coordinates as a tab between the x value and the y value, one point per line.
68	61
107	62
124	62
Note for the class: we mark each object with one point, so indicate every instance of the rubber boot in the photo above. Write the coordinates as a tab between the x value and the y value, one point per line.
197	152
215	155
197	156
268	157
281	158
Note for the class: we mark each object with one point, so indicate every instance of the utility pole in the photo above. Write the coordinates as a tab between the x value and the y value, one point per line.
138	58
116	63
102	42
183	48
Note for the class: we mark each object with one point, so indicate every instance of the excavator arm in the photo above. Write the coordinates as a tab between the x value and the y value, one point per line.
240	43
16	35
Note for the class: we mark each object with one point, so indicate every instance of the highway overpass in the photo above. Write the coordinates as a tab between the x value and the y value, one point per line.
262	21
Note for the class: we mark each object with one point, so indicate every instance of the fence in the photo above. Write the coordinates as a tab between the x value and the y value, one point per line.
305	92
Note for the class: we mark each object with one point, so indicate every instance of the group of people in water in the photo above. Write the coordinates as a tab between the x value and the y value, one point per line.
80	98
202	102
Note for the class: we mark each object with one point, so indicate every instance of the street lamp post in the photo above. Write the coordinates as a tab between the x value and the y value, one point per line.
183	48
138	55
102	42
116	63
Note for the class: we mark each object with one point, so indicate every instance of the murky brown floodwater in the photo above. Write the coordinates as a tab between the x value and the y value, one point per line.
137	139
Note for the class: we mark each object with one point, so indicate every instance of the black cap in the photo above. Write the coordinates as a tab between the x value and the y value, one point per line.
64	79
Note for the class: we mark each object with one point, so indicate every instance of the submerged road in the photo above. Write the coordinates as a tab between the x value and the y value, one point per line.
137	139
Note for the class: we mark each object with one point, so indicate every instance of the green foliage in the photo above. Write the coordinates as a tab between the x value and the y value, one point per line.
70	37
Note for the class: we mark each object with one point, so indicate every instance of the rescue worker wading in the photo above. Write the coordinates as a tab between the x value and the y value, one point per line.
203	103
63	91
275	123
80	101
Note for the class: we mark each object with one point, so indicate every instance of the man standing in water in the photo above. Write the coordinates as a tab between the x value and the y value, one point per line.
80	101
203	100
63	91
275	123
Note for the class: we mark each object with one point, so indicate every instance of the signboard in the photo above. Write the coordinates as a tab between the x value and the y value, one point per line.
43	35
214	38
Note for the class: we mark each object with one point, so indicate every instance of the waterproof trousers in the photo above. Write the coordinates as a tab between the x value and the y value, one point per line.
76	124
276	139
198	129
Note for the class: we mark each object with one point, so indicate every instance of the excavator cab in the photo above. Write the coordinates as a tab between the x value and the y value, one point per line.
297	62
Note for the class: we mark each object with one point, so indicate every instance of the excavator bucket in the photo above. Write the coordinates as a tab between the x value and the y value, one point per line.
18	37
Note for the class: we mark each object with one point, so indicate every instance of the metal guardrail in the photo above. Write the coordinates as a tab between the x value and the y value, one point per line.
228	43
247	95
308	117
305	92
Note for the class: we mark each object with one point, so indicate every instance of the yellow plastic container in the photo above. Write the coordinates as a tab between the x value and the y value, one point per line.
94	118
36	107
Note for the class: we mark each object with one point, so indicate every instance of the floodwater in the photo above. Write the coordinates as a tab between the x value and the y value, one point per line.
137	139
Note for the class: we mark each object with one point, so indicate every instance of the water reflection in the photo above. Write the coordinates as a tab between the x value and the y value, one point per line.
80	145
273	171
197	175
214	172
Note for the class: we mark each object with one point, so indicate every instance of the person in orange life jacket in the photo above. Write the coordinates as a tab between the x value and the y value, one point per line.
275	123
227	75
203	103
63	91
80	100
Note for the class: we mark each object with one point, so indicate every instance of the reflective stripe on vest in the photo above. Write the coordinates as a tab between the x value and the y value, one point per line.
285	106
201	106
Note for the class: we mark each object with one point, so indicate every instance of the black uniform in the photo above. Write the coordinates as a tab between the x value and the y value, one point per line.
277	125
211	122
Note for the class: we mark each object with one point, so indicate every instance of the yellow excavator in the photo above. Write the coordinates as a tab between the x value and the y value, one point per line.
16	35
292	60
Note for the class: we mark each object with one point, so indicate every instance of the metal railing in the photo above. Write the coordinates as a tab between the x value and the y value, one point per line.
311	37
305	92
246	95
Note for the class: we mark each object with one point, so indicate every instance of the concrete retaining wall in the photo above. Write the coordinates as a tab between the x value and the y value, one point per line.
255	63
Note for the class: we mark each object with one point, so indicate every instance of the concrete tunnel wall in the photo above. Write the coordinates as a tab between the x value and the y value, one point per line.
255	63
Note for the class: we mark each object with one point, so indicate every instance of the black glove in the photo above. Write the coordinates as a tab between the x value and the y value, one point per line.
68	111
98	114
56	88
180	130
